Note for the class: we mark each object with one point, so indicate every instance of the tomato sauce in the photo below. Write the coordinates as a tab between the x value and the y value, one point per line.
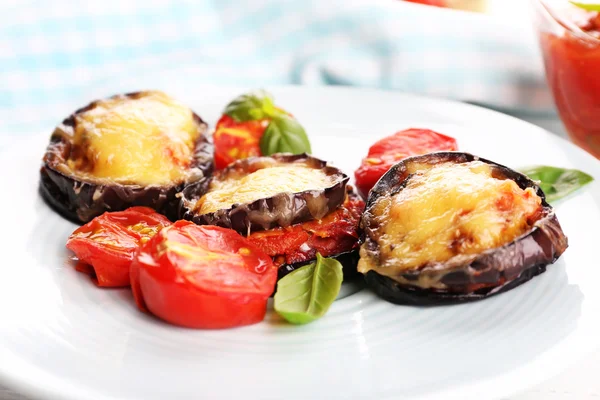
438	3
336	233
573	71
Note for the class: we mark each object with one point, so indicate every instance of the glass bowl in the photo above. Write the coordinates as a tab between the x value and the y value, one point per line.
572	64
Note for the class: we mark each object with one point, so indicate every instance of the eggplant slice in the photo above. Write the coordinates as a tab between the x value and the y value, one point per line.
261	193
337	235
488	239
347	253
134	149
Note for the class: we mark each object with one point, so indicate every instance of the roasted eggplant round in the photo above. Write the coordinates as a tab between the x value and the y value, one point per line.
450	227
261	193
134	149
337	235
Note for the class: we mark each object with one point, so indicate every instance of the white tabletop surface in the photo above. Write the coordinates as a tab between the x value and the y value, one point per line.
577	383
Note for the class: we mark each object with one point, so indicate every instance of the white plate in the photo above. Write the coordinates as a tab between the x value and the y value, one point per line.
61	337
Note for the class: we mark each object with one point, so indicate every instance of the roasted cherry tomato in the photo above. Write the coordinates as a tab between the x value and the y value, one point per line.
236	140
336	233
106	245
392	149
202	277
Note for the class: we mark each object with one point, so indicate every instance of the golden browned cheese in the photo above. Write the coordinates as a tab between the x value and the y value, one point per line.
447	210
263	183
146	141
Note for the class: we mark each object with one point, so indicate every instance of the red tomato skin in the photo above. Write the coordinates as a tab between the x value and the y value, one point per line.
110	269
136	287
367	176
388	151
159	289
109	266
235	140
197	309
437	3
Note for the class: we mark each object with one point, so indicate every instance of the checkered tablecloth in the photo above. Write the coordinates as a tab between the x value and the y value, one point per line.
54	53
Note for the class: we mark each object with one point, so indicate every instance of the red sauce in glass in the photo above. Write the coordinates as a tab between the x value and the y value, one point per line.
438	3
573	71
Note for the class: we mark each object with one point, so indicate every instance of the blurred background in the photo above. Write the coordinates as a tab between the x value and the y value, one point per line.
58	55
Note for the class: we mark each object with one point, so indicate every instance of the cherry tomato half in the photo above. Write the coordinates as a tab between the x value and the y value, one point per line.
236	140
106	245
202	277
392	149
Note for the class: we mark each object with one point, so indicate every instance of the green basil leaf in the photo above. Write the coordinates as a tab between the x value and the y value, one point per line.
587	6
306	294
557	182
251	106
284	134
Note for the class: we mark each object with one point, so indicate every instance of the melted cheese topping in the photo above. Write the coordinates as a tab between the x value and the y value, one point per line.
261	184
146	140
448	210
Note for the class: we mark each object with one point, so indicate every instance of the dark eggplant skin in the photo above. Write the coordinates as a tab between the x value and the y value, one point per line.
466	278
348	259
280	210
393	292
348	256
80	200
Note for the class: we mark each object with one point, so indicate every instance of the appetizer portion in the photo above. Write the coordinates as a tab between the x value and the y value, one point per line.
449	227
252	126
438	226
389	150
202	277
337	235
262	193
136	149
106	245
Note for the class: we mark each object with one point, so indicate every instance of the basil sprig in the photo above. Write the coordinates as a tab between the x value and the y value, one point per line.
284	134
557	182
305	295
586	6
251	106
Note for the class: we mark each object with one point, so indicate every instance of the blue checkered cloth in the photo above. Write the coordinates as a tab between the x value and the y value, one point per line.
54	54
